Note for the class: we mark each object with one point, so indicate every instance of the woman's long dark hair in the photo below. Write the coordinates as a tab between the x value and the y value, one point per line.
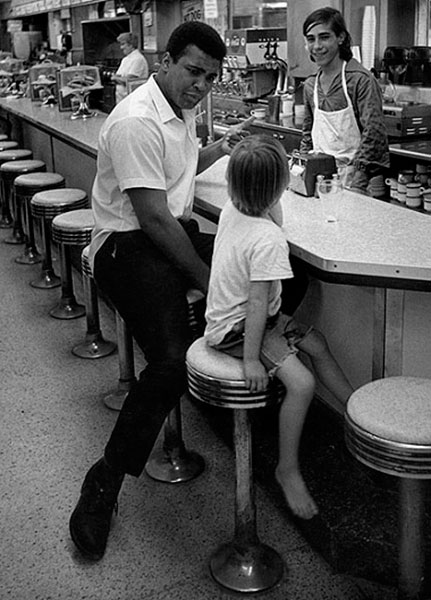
332	17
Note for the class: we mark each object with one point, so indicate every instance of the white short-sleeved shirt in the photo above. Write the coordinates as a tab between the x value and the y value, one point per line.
142	144
246	249
135	64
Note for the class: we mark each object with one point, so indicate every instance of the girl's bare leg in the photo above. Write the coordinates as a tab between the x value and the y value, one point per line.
326	367
299	383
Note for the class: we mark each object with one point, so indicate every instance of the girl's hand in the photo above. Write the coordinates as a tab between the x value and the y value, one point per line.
256	376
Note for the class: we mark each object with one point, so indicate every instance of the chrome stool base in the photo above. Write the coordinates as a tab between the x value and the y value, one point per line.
16	239
6	222
47	281
115	400
172	463
30	257
67	308
252	568
94	346
164	466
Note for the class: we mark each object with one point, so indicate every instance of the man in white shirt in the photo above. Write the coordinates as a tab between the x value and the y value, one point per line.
133	66
147	251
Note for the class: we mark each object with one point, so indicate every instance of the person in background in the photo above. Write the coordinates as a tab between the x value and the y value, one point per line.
251	257
342	103
147	251
133	66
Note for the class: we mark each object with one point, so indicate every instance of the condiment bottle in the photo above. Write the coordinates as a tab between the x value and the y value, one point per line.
319	179
288	102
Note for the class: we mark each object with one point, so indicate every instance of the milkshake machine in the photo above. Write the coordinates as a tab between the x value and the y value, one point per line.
255	67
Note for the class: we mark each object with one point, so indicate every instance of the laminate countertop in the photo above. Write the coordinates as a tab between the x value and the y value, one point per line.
80	133
373	242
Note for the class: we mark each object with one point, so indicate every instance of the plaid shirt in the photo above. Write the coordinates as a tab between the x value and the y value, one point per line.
363	89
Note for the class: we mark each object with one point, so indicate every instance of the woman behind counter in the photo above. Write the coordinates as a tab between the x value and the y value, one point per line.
133	66
342	103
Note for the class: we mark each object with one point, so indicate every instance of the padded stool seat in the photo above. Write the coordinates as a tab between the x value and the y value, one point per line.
22	222
94	345
388	428
8	156
46	205
8	145
72	228
3	137
218	379
245	564
15	154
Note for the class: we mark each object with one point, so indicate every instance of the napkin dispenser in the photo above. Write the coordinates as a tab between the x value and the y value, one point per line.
304	168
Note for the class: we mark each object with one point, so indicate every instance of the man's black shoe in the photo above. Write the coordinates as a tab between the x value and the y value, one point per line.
91	520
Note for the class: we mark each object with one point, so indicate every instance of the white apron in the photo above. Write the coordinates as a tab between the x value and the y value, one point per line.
336	132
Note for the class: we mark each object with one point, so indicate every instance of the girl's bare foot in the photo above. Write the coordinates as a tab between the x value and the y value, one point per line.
296	493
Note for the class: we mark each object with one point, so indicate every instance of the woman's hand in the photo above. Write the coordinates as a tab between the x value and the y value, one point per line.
255	375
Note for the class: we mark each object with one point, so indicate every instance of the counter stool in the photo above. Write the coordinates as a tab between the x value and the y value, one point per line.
245	564
70	229
6	220
172	462
94	345
8	145
46	205
22	231
388	428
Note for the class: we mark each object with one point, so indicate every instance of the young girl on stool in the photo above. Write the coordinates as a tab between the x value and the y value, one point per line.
251	257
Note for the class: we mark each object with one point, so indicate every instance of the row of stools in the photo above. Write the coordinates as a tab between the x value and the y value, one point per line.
29	193
388	422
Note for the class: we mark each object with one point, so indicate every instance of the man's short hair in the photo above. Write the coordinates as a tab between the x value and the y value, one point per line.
128	38
199	34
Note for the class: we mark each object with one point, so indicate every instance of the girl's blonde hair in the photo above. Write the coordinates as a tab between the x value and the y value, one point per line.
257	174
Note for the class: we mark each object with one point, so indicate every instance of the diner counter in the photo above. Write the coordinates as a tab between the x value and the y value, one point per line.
376	317
383	244
81	134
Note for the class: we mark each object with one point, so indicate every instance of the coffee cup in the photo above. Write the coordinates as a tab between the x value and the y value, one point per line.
413	194
258	113
427	201
406	176
422	178
421	168
402	188
393	185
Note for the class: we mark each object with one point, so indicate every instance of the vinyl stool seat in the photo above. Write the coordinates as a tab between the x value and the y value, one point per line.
388	428
22	231
245	564
8	145
72	228
46	205
6	220
94	345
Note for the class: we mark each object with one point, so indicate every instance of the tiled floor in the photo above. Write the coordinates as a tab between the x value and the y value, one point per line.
54	426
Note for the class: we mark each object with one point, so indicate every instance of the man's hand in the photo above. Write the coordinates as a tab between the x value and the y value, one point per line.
235	134
255	374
